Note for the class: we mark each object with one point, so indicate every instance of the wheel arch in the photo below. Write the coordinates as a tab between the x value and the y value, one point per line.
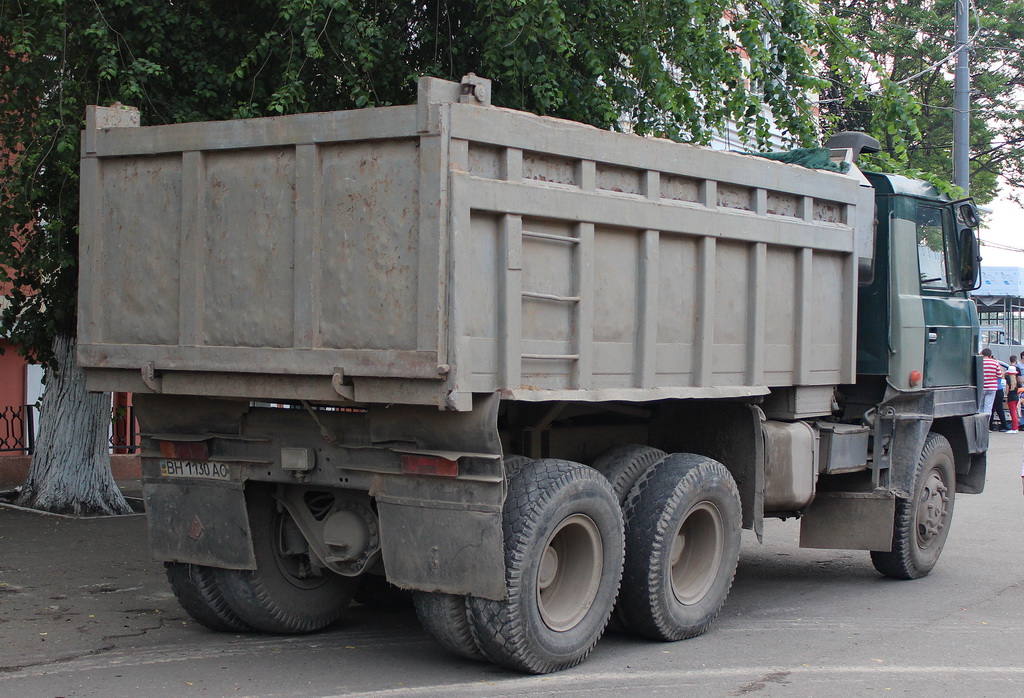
908	434
729	432
969	452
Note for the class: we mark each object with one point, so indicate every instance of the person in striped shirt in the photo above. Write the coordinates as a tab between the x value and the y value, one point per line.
992	372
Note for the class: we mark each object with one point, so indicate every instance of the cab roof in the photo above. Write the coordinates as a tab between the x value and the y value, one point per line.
898	184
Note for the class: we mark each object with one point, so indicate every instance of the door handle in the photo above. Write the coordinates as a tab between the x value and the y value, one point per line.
933	336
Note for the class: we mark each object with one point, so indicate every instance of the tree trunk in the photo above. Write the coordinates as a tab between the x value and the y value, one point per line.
70	472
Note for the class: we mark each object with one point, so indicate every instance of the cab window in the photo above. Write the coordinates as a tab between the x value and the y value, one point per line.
934	246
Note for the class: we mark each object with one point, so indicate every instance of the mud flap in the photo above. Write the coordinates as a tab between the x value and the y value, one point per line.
442	536
849	521
198	522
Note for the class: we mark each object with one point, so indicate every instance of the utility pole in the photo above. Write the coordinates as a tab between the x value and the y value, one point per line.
962	100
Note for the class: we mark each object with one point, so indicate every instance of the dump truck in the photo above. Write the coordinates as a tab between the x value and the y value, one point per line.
538	374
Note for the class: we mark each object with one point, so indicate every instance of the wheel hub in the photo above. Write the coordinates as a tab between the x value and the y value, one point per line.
678	544
569	572
696	553
548	568
931	514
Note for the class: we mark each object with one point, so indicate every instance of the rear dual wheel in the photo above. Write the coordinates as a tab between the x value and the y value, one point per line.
563	561
623	466
445	616
198	593
683	520
285	593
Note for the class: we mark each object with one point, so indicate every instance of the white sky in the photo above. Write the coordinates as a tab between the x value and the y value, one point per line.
1005	226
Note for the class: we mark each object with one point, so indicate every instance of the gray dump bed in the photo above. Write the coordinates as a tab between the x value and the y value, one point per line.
421	254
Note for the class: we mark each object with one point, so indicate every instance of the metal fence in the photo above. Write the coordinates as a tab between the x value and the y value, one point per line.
18	429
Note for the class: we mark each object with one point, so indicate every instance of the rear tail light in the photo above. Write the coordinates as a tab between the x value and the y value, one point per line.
429	465
185	450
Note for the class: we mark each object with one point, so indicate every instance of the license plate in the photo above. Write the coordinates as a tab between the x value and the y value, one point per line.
191	468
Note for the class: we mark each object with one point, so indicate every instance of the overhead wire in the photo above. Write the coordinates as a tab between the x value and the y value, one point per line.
1000	246
937	64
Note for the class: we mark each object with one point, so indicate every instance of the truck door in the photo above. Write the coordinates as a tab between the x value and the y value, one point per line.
949	315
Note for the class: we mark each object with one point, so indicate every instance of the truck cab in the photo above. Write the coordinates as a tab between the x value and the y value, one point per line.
926	261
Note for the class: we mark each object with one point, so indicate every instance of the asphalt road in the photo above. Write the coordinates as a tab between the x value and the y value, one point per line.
84	612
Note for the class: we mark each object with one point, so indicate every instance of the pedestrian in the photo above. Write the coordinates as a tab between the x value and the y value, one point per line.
991	370
997	407
1013	386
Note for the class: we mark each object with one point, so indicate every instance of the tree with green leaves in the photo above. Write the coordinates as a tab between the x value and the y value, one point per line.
675	68
912	44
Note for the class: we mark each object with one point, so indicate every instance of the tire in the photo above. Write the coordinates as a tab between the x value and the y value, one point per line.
921	524
671	591
563	536
513	463
282	595
198	593
623	466
444	617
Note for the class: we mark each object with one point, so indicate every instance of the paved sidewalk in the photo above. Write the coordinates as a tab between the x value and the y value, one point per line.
74	587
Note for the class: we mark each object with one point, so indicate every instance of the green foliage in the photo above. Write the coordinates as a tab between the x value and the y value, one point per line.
674	68
910	39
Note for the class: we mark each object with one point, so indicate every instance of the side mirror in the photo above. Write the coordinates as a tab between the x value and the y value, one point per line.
970	259
968	213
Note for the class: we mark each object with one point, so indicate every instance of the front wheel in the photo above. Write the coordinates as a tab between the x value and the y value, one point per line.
563	561
922	522
683	520
285	593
